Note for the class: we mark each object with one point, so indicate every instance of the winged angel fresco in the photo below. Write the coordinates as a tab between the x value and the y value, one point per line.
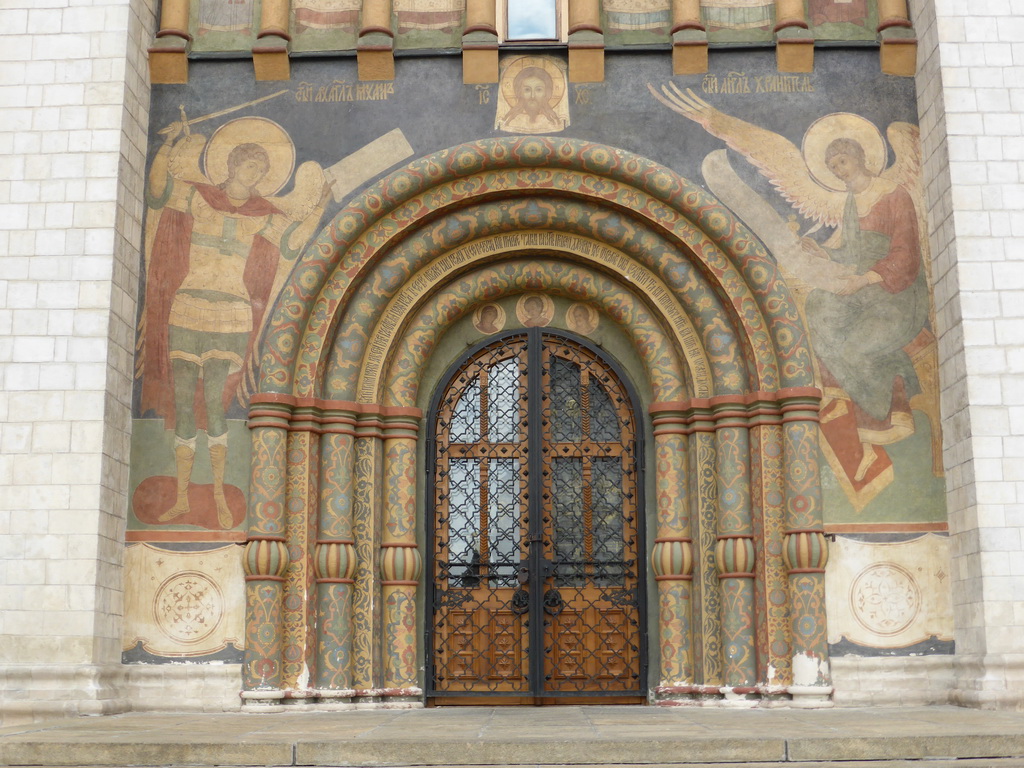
219	242
864	289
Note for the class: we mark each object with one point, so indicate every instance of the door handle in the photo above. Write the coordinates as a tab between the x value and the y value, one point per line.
553	602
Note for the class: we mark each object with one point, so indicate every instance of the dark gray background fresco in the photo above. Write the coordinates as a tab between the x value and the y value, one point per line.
435	110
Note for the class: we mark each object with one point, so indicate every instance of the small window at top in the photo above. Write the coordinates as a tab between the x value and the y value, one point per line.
532	20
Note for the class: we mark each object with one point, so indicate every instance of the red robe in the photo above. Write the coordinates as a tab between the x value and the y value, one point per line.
168	267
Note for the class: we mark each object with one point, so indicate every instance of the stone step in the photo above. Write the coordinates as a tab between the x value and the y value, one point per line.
934	737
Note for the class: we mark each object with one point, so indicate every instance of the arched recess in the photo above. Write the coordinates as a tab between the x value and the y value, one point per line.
332	562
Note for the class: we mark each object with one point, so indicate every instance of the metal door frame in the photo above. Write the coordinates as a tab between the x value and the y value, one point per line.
535	338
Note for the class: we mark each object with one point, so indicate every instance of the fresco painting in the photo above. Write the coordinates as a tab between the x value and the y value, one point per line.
863	288
223	24
533	95
630	22
429	23
241	190
738	20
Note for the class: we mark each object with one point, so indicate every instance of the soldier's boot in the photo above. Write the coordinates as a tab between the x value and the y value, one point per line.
218	460
184	457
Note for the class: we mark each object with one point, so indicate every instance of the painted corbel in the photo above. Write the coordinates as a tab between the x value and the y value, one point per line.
168	56
270	53
899	41
375	51
689	39
480	43
586	42
794	43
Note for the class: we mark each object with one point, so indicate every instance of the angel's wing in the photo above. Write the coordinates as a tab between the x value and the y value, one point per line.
777	158
904	139
305	194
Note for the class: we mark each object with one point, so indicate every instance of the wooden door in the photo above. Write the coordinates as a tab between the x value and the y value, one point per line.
535	589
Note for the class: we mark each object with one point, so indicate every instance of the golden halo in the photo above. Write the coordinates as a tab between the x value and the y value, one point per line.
842	125
256	130
508	78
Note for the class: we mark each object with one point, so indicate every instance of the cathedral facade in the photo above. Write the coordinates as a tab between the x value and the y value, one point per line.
370	354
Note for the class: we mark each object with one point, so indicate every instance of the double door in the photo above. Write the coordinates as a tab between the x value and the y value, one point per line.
535	588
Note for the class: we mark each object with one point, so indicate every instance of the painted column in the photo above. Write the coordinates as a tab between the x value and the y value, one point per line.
706	613
774	668
266	554
586	42
168	57
672	558
375	50
301	497
805	550
400	560
899	41
335	554
366	531
734	549
480	43
689	39
270	53
794	43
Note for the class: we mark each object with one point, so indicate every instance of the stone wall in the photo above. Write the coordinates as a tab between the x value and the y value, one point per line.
970	66
76	99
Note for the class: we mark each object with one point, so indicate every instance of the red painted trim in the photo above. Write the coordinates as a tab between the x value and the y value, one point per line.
399	583
375	28
682	539
674	577
406	544
335	581
894	22
172	32
274	32
689	25
481	28
257	537
806	570
789	23
585	28
886	527
264	578
335	541
167	536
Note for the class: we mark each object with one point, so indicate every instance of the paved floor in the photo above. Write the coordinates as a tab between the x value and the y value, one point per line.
927	737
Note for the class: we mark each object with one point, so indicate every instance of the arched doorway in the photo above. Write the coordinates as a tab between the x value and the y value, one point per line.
336	548
535	580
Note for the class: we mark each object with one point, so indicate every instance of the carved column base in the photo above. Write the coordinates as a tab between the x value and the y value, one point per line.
795	55
375	63
270	58
586	64
480	65
810	696
899	56
168	61
690	50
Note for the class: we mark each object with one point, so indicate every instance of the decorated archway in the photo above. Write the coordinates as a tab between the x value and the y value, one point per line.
334	554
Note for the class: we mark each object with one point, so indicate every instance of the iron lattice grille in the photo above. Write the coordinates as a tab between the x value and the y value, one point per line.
535	587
